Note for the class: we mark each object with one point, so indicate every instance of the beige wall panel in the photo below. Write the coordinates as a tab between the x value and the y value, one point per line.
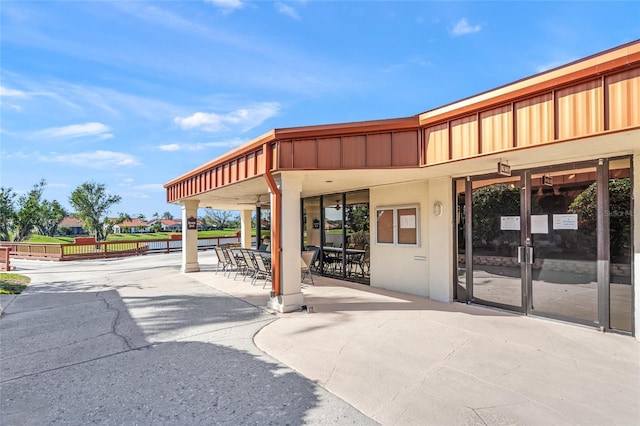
580	110
496	129
534	120
624	99
464	137
437	140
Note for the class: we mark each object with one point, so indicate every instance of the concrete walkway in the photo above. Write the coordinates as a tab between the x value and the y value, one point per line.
398	359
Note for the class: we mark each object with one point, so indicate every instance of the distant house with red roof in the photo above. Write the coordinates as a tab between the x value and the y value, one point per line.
166	225
133	226
71	226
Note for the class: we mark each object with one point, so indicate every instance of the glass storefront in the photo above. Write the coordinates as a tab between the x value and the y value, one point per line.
336	226
549	242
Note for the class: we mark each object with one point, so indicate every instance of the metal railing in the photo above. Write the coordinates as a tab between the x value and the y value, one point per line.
107	249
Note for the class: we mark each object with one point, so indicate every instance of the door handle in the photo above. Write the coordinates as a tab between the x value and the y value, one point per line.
530	254
520	254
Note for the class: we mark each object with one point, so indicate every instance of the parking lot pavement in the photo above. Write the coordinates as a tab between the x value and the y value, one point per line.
134	341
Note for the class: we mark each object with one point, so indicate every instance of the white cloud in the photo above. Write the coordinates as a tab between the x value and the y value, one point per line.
286	10
227	5
94	160
555	64
170	147
462	27
126	182
12	93
156	187
201	146
242	119
74	131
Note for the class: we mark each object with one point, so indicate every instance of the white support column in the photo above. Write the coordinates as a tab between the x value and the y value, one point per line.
189	237
245	228
291	298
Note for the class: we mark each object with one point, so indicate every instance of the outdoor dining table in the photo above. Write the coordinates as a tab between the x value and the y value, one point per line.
334	255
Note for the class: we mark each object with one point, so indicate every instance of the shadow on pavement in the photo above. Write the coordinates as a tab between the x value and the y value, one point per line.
89	357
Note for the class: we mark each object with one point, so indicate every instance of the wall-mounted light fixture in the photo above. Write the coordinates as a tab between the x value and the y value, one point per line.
437	208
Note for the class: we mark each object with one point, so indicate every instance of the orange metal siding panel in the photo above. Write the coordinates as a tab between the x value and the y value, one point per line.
219	177
353	152
274	157
624	99
378	150
534	120
304	154
226	177
251	164
286	155
437	140
260	169
464	137
405	149
496	129
329	153
233	171
242	168
580	110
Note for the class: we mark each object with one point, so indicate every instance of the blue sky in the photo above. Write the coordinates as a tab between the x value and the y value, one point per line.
134	94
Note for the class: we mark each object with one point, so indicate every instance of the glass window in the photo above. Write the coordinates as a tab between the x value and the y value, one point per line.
397	225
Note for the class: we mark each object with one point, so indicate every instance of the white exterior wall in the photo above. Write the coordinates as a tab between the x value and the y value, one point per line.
401	268
636	241
440	240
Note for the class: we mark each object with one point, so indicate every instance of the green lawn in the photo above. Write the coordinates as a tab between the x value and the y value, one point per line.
13	283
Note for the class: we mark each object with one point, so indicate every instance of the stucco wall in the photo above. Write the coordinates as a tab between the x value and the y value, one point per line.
440	239
636	241
401	268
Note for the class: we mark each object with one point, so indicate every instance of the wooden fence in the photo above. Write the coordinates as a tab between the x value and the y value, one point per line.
104	249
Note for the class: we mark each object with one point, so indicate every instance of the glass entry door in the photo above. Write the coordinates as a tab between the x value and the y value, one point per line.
563	239
496	272
545	242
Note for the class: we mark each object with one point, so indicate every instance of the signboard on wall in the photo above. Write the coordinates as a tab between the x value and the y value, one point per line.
192	223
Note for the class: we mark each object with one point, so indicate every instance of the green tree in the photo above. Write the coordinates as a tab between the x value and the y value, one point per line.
489	203
28	212
585	205
221	218
7	212
357	217
167	215
51	214
92	202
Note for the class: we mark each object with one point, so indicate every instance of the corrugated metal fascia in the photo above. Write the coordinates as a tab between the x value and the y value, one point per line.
234	154
592	66
339	129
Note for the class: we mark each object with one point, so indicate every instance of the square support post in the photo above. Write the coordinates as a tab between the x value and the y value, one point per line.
291	297
189	236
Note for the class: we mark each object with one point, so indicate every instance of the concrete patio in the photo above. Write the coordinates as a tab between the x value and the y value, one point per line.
397	359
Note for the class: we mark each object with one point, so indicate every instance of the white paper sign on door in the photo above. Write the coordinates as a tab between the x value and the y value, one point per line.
539	224
565	221
510	223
